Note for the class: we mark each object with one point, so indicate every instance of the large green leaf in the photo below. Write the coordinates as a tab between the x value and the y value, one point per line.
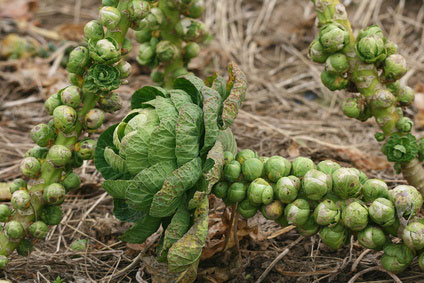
115	161
124	213
162	142
228	140
141	230
116	188
237	86
187	250
212	107
147	183
137	152
192	85
218	83
106	140
145	94
214	165
165	108
189	130
180	98
166	201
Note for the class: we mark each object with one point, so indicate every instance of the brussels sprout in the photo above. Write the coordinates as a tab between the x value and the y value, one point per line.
93	30
247	209
3	261
110	17
54	194
72	181
21	200
421	261
245	154
94	118
51	215
374	189
191	50
273	210
327	213
166	51
333	236
232	171
228	157
191	30
145	53
38	229
316	52
124	69
75	79
59	155
138	9
157	77
52	102
85	149
282	221
337	63
395	67
71	96
236	192
111	103
383	99
196	9
277	167
407	200
297	212
37	152
333	37
287	188
396	258
301	165
391	48
328	166
260	192
382	212
346	183
406	96
143	35
220	189
333	81
309	228
79	60
351	108
64	118
404	125
104	51
372	237
79	245
316	184
42	135
17	184
370	45
24	248
154	19
30	167
355	216
413	235
252	169
5	212
14	230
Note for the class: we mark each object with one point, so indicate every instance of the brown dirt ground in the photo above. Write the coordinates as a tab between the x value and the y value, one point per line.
287	112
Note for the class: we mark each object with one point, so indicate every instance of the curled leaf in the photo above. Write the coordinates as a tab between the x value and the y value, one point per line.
212	107
141	230
115	161
191	85
145	94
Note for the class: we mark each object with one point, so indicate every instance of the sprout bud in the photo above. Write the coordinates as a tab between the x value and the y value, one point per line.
380	137
143	35
71	96
372	237
327	213
328	166
337	64
154	19
79	245
94	118
391	48
355	216
252	169
395	67
64	118
52	102
191	50
273	210
166	51
404	125
157	77
59	155
309	228
351	108
374	189
333	37
5	212
301	165
110	17
220	190
14	230
105	51
3	261
245	154
316	184
79	60
30	167
396	258
333	236
145	54
346	183
71	182
75	80
111	103
316	52
333	81
138	9
17	184
246	209
413	235
277	167
407	200
54	194
196	9
260	192
42	135
24	248
228	157
85	149
124	69
38	229
21	200
232	171
236	192
93	30
370	45
51	215
297	212
406	96
191	30
287	188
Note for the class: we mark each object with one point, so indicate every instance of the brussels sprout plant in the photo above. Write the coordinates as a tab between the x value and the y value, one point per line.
370	67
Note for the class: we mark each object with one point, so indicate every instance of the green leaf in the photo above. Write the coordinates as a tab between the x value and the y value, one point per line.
116	188
237	86
187	250
165	108
124	213
115	161
228	140
106	140
165	201
145	94
217	83
192	85
147	183
141	230
179	97
137	152
188	131
212	107
162	142
216	158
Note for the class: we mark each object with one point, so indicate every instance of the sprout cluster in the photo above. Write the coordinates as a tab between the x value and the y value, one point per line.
169	37
327	199
370	68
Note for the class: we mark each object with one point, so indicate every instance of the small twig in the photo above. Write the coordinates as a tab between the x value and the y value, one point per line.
228	233
278	258
375	268
358	260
